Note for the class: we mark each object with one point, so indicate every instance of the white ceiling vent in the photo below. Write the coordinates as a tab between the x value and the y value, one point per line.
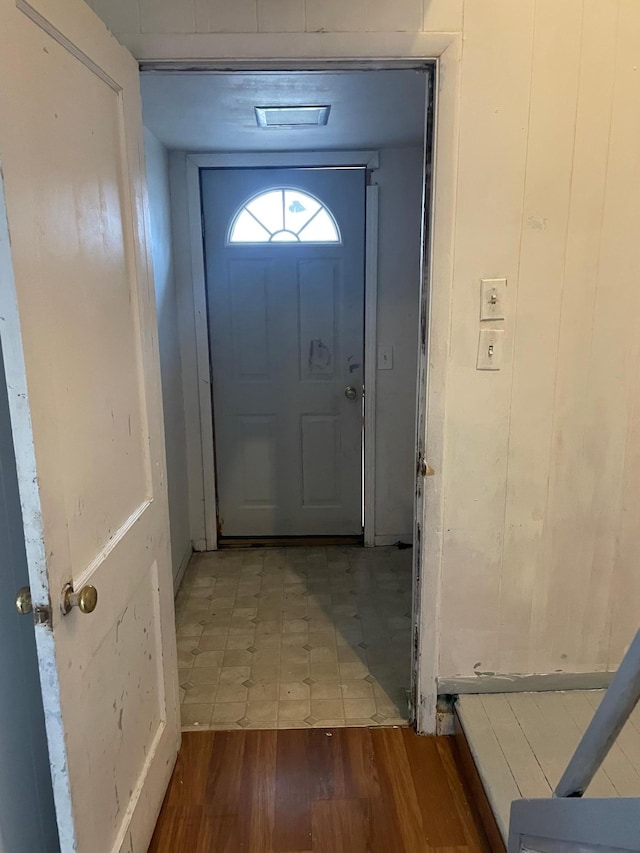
292	116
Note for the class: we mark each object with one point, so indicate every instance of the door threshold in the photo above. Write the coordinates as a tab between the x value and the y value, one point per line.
288	541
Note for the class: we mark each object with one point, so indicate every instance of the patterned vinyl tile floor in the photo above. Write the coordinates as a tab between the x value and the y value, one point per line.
295	638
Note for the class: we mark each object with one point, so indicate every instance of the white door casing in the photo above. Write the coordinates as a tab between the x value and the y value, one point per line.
186	203
286	335
77	319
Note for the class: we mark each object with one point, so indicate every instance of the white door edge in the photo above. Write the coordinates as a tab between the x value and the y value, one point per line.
370	361
26	467
285	160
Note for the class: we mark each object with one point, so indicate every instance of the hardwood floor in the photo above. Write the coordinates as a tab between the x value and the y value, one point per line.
346	790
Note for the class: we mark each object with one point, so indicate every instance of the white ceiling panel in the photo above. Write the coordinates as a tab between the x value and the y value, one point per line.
216	112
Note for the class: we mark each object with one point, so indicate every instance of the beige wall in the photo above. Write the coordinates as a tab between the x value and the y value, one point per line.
157	163
400	196
536	496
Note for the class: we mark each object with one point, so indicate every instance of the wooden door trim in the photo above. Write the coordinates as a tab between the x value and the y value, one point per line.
192	165
370	360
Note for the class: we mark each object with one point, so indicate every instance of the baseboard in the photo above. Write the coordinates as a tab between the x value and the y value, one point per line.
475	789
391	538
517	683
182	568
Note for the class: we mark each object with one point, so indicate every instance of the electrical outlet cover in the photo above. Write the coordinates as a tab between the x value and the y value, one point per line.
385	358
493	292
490	344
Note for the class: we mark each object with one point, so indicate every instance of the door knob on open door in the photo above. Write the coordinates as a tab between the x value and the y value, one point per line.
350	392
23	601
85	600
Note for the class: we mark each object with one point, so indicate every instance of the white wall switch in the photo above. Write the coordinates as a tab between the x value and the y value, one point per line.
492	297
490	349
385	358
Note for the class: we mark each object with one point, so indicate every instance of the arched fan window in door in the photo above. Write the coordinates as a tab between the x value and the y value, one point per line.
284	215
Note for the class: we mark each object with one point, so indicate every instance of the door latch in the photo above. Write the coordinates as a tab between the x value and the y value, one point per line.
24	606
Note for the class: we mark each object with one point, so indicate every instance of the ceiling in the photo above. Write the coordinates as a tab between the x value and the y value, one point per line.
215	111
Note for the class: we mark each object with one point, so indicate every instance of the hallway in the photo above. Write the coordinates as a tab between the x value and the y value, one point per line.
358	790
295	638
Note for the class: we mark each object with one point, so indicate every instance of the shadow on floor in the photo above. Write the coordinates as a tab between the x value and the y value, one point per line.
295	637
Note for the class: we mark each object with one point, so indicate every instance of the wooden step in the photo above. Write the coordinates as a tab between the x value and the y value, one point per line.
521	744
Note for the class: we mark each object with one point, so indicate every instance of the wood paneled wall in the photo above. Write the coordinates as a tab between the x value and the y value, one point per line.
541	552
172	17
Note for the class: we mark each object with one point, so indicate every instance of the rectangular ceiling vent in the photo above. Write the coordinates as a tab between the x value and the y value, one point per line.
292	116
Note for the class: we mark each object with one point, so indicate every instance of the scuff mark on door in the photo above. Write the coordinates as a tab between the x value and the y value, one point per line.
319	356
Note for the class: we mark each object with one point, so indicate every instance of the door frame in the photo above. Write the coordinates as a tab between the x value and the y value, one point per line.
348	52
194	163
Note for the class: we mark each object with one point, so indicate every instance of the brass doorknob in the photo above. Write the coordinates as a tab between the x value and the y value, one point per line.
85	600
23	601
350	392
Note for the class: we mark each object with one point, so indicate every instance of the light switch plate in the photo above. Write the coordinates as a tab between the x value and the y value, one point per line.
490	349
385	358
492	297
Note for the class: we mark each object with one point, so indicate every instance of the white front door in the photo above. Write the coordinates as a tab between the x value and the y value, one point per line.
284	255
77	321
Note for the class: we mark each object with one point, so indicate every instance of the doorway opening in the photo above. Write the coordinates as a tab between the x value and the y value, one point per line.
298	254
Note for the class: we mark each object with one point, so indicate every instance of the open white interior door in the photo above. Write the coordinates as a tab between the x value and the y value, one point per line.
77	321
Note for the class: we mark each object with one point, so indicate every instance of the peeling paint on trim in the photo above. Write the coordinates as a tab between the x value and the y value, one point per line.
517	682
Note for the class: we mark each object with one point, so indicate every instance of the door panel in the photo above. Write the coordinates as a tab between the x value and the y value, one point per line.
248	281
321	456
286	339
256	443
82	364
319	341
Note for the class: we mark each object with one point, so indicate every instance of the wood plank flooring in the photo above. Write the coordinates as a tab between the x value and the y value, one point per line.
522	743
345	790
